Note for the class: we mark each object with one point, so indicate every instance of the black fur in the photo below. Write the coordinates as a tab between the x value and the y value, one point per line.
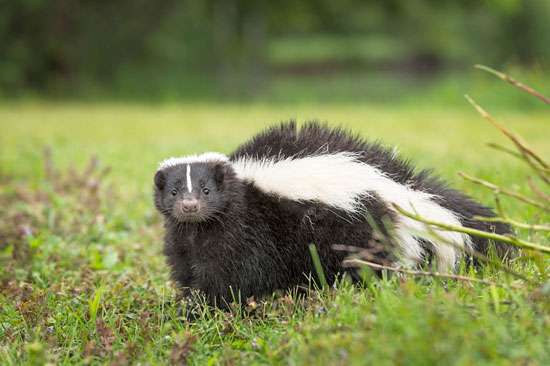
243	242
287	140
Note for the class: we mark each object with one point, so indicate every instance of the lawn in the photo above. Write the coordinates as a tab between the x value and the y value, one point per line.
83	280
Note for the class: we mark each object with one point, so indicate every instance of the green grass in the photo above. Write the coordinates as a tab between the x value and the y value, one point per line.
83	280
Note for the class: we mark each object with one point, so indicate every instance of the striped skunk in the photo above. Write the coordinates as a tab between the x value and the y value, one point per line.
243	223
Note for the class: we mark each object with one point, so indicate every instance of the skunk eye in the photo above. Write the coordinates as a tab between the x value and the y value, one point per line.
174	192
205	190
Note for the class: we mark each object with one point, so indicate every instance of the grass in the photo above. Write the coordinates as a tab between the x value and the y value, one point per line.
83	280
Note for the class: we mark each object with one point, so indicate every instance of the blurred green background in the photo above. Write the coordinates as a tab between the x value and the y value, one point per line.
271	51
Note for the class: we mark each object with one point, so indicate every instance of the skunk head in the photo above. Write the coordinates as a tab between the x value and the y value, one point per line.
191	190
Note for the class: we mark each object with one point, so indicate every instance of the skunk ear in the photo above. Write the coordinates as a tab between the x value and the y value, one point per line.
220	172
160	179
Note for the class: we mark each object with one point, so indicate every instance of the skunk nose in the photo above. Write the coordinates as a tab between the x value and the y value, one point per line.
190	205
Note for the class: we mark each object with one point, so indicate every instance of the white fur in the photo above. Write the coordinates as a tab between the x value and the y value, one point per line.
340	179
188	173
191	159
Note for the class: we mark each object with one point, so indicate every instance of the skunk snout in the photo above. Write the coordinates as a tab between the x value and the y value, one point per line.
187	210
189	205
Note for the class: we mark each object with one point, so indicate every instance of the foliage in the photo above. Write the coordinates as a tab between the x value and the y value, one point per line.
193	48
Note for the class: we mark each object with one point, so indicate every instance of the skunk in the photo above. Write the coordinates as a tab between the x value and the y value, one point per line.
240	225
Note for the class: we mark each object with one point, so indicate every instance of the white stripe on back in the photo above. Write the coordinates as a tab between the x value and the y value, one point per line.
341	179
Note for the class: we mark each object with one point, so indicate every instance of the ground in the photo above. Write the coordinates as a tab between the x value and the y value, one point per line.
83	280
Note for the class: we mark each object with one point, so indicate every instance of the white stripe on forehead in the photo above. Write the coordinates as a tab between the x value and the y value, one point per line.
189	186
191	159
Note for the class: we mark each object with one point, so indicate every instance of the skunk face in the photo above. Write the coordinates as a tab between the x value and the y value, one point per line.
191	192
